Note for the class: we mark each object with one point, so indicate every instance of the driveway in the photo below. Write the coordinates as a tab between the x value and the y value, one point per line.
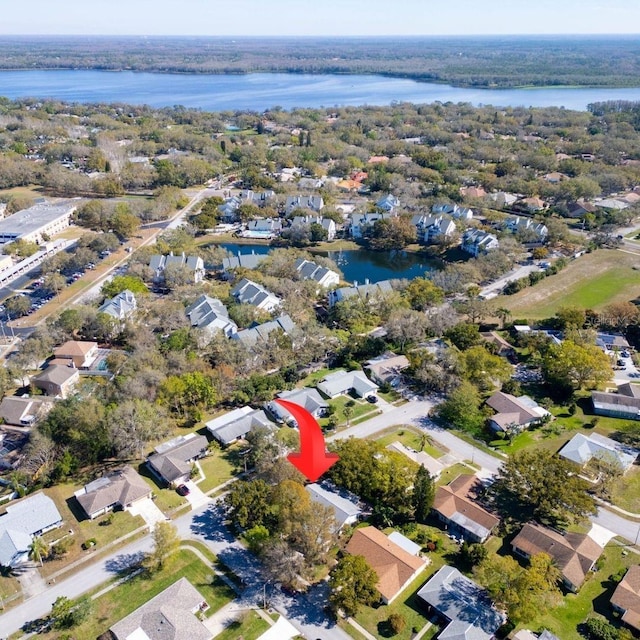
149	511
495	288
196	497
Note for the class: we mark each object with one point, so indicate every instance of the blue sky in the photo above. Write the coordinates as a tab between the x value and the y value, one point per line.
318	17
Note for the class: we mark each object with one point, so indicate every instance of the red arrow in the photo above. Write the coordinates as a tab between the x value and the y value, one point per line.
313	460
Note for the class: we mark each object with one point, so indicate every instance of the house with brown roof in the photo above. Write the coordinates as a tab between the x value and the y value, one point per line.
626	598
514	414
172	460
80	353
120	489
623	403
395	567
57	380
23	412
454	506
574	554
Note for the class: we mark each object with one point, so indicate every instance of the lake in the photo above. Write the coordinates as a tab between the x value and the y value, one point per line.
359	265
260	91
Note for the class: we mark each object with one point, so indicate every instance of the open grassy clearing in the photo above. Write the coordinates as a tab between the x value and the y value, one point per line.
591	281
125	598
218	467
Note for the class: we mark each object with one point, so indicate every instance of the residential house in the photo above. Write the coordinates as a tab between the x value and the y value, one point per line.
378	160
243	260
310	183
555	177
193	264
118	490
346	511
172	460
431	228
263	228
210	315
625	403
236	424
229	210
528	228
259	333
582	449
611	203
454	506
315	203
121	306
503	199
477	242
343	382
80	354
395	567
502	346
57	380
462	604
611	341
454	210
532	204
248	292
23	521
388	203
626	598
575	554
360	222
171	615
387	368
323	276
327	224
366	291
514	414
580	207
308	398
24	411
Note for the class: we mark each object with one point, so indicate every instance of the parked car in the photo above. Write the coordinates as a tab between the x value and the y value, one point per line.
372	399
621	362
625	354
182	490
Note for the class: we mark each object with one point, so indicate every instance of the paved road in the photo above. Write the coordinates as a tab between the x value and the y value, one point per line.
495	288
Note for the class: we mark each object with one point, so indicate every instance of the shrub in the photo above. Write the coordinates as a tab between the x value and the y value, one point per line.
397	623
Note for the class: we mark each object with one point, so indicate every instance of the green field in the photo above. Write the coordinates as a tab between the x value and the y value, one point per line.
591	281
249	627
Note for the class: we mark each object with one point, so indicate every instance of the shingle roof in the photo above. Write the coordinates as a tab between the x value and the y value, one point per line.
343	509
251	336
308	398
172	458
454	503
237	423
393	565
167	616
627	597
121	487
341	381
120	306
512	410
20	411
57	374
74	348
574	553
464	603
580	449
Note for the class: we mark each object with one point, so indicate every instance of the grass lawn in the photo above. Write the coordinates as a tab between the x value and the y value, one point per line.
218	467
313	378
593	596
411	438
83	528
453	472
125	598
249	627
521	441
591	281
360	408
166	499
625	491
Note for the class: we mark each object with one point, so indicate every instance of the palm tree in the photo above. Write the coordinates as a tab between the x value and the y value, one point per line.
38	549
503	313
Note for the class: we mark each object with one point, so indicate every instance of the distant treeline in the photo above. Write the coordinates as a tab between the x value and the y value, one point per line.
505	61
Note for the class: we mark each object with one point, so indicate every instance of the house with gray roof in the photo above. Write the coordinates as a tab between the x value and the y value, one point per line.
57	380
366	291
346	510
463	605
582	449
536	231
308	398
243	260
514	414
25	411
388	202
121	306
120	489
624	403
265	228
323	276
172	460
360	222
159	263
237	424
315	203
430	228
260	333
343	382
210	315
477	242
248	292
327	224
24	520
171	615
